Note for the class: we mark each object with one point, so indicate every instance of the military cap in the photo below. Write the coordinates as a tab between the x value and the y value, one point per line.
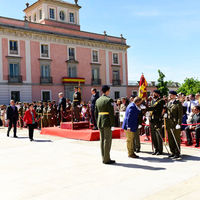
105	88
173	92
157	92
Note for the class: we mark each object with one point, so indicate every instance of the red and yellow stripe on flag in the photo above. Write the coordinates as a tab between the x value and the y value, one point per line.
143	88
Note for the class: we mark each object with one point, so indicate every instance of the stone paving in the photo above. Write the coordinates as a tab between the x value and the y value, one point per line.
53	168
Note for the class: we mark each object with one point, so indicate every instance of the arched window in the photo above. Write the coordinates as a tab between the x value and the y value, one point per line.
62	15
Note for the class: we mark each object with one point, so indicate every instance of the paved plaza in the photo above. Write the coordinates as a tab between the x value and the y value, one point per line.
53	168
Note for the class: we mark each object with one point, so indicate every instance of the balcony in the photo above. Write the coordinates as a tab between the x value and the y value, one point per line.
46	80
14	79
96	82
116	82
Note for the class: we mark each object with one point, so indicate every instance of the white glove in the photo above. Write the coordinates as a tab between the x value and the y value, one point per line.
112	128
140	126
165	115
128	129
178	126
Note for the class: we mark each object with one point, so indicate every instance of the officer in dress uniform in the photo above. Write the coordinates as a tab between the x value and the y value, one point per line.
104	113
156	109
76	104
173	124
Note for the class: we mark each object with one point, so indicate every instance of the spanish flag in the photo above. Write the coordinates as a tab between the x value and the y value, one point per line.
143	88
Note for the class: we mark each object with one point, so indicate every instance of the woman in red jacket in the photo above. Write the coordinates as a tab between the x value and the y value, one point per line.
30	119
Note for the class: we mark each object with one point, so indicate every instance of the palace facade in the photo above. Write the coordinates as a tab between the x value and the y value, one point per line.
47	53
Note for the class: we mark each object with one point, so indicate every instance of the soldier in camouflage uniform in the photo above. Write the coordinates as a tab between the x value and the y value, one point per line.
156	122
173	124
45	121
76	104
39	111
104	113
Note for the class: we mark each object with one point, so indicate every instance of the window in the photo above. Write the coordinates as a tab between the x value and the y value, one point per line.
45	71
95	76
95	73
71	54
95	57
115	58
62	15
35	17
72	70
116	75
29	18
40	13
52	13
46	96
13	47
117	94
44	50
15	95
14	69
71	18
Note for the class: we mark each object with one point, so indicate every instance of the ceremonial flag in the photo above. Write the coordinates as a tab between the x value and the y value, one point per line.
143	88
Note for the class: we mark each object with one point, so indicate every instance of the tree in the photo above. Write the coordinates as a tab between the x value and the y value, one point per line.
190	86
162	85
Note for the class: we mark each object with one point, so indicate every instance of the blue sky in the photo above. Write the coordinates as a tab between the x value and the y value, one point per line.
163	34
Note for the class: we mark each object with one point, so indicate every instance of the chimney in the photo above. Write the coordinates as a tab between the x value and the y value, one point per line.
27	5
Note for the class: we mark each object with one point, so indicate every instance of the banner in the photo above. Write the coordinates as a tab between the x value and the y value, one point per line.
143	88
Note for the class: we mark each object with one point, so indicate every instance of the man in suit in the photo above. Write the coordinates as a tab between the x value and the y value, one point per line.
173	124
94	97
61	105
76	104
195	119
104	113
156	108
12	117
130	124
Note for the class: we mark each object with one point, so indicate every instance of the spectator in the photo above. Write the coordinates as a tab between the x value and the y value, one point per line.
12	117
30	119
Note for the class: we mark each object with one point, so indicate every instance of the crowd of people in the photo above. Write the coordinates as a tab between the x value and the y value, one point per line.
157	115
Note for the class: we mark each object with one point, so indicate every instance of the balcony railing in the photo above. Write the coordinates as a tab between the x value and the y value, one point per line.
14	79
45	80
116	82
96	82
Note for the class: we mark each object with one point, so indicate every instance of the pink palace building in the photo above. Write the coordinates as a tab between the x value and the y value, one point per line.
47	53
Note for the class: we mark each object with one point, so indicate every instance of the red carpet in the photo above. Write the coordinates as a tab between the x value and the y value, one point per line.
82	134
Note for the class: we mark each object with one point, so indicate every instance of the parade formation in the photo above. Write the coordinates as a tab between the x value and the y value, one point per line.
169	118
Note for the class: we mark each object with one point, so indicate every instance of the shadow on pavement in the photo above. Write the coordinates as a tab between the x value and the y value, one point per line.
146	167
42	141
158	159
22	137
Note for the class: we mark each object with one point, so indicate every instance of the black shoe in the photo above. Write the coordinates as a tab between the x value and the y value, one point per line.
158	153
171	156
155	153
15	136
109	162
7	134
176	156
189	143
31	140
137	151
197	145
